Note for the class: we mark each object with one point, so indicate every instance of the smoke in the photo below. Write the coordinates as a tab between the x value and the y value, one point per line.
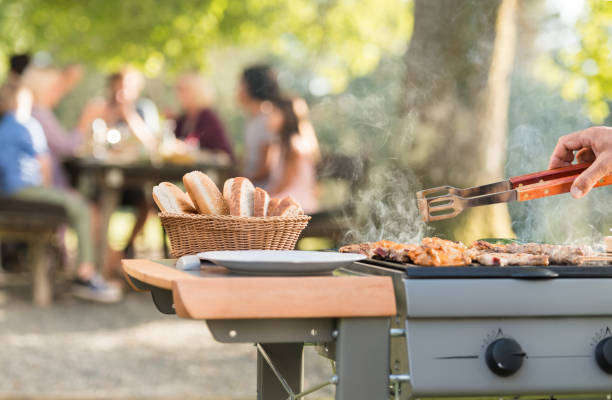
387	209
537	117
384	204
364	121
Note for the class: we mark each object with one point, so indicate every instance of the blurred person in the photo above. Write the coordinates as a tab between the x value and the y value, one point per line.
24	174
295	156
258	87
311	143
199	124
125	108
593	145
49	86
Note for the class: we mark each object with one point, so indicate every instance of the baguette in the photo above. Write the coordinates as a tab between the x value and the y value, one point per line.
204	193
287	207
239	193
261	201
227	190
272	206
171	199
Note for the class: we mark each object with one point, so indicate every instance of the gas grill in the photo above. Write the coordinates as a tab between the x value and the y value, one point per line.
495	331
401	332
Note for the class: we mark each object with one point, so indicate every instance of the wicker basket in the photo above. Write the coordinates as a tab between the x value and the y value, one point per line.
191	234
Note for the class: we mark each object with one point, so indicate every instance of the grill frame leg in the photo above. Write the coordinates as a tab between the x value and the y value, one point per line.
362	358
288	360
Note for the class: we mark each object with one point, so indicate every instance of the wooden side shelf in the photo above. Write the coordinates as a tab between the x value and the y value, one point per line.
153	273
219	295
284	297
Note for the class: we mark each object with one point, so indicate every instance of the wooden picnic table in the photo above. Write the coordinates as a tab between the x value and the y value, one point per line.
107	179
347	317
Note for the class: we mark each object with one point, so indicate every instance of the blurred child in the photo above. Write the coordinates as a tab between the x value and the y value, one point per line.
295	156
199	123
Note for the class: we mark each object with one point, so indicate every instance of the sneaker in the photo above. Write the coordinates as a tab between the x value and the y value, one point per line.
96	289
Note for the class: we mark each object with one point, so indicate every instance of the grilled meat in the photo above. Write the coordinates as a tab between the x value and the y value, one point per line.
360	248
436	252
505	259
431	252
383	249
400	252
557	254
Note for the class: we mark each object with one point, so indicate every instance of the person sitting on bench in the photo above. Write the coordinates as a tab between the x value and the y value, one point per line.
24	170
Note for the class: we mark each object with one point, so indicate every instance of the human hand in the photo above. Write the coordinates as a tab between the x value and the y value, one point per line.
592	145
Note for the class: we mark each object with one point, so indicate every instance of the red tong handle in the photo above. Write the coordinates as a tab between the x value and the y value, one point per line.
536	177
553	187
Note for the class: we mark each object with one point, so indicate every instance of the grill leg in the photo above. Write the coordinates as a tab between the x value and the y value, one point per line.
287	360
362	359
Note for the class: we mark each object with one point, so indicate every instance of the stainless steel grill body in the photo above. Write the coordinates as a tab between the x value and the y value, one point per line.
451	325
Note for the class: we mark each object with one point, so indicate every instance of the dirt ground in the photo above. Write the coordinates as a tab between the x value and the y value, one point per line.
80	350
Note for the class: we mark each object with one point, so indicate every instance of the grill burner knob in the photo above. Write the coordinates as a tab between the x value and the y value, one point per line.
505	356
603	355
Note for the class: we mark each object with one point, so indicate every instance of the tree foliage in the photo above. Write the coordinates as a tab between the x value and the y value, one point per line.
585	71
338	38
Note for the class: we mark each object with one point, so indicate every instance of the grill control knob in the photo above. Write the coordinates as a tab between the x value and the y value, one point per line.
603	355
505	356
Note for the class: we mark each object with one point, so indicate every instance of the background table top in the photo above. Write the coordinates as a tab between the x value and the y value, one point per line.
142	169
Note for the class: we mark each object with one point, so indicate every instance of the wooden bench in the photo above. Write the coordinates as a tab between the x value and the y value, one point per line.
35	223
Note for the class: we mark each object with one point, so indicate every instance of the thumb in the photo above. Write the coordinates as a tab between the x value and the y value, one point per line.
585	181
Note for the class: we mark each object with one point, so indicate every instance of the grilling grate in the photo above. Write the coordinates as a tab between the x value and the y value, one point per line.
484	272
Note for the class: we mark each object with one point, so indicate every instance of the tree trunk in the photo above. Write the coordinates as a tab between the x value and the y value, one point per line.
454	112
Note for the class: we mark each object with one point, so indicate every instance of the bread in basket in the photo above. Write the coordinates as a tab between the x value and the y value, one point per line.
206	220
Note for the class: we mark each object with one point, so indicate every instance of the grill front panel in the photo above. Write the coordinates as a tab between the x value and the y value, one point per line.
447	357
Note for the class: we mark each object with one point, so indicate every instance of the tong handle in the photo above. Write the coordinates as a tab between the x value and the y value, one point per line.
553	187
550	174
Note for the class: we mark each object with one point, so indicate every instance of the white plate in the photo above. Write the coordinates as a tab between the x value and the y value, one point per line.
280	262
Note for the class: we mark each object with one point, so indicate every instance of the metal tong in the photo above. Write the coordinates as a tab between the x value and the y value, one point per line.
447	202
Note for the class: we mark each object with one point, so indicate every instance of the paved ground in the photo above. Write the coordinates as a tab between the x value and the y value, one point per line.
77	350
